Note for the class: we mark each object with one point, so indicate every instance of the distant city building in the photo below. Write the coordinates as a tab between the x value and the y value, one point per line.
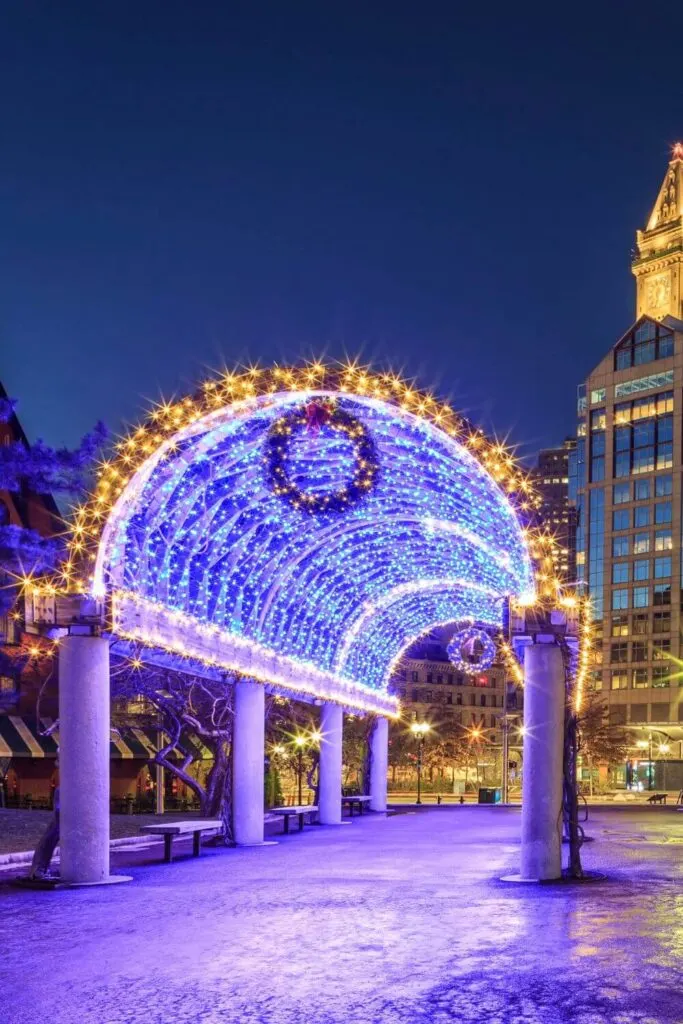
551	478
431	689
626	479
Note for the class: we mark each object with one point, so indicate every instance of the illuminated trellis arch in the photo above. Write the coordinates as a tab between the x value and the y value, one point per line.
198	554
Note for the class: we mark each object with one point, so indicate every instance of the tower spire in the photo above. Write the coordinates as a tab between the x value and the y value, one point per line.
658	266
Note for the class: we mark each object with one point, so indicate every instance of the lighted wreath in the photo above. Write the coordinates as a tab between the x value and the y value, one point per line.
317	414
471	650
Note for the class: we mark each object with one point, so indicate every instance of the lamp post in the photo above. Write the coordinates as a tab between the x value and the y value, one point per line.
300	743
419	730
506	718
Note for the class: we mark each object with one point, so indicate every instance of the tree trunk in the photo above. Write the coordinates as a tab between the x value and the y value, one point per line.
183	775
215	783
40	865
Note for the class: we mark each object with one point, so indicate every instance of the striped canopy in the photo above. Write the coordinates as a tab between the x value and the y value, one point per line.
28	737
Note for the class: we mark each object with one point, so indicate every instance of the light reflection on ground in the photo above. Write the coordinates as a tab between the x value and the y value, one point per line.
399	920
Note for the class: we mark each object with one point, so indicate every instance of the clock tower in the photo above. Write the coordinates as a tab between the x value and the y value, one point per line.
658	266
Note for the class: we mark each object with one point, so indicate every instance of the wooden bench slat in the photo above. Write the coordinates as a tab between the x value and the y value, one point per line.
177	828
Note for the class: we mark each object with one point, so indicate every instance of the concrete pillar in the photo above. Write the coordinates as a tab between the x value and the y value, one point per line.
544	702
379	764
330	771
248	750
84	758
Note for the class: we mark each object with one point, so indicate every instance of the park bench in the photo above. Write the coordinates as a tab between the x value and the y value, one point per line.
657	798
290	812
183	828
355	801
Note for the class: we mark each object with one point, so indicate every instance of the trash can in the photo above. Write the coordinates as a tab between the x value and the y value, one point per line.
489	796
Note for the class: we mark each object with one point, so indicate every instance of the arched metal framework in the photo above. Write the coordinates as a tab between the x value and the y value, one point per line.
200	555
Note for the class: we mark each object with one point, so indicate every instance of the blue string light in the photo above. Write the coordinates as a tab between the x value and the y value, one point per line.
201	528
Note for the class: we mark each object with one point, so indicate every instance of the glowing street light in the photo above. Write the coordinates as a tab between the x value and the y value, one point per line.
419	731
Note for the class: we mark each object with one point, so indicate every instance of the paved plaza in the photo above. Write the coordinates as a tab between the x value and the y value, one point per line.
400	919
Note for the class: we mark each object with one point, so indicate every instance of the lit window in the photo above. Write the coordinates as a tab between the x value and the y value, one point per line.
663	540
641	543
598	419
598	395
619	680
632	387
620	625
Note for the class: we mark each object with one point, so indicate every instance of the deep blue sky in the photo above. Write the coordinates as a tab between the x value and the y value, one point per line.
449	188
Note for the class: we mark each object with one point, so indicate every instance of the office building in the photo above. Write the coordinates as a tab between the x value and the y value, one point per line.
626	480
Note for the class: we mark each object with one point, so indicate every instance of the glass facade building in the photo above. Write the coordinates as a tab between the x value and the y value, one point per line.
626	483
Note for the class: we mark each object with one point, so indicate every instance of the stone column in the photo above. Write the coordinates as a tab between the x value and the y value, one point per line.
248	751
330	771
544	703
84	729
379	764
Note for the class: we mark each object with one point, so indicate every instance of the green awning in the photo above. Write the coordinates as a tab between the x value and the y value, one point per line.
26	737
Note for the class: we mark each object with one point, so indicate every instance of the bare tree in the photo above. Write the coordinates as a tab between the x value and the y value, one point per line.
600	742
183	705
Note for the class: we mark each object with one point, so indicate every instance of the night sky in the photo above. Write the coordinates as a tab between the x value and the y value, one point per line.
445	188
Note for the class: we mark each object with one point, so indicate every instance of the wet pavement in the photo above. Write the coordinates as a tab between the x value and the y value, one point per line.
387	920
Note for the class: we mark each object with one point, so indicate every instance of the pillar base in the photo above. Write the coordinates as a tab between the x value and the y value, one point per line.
50	884
531	881
266	842
588	876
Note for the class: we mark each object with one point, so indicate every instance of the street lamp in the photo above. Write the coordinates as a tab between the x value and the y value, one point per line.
419	731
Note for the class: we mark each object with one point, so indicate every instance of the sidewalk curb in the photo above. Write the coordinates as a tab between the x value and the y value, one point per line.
26	856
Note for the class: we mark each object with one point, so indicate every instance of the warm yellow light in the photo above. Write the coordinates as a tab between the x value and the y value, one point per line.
316	736
420	728
663	748
300	741
643	744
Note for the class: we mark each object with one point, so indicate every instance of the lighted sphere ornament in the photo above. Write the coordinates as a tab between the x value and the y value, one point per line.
317	415
471	650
